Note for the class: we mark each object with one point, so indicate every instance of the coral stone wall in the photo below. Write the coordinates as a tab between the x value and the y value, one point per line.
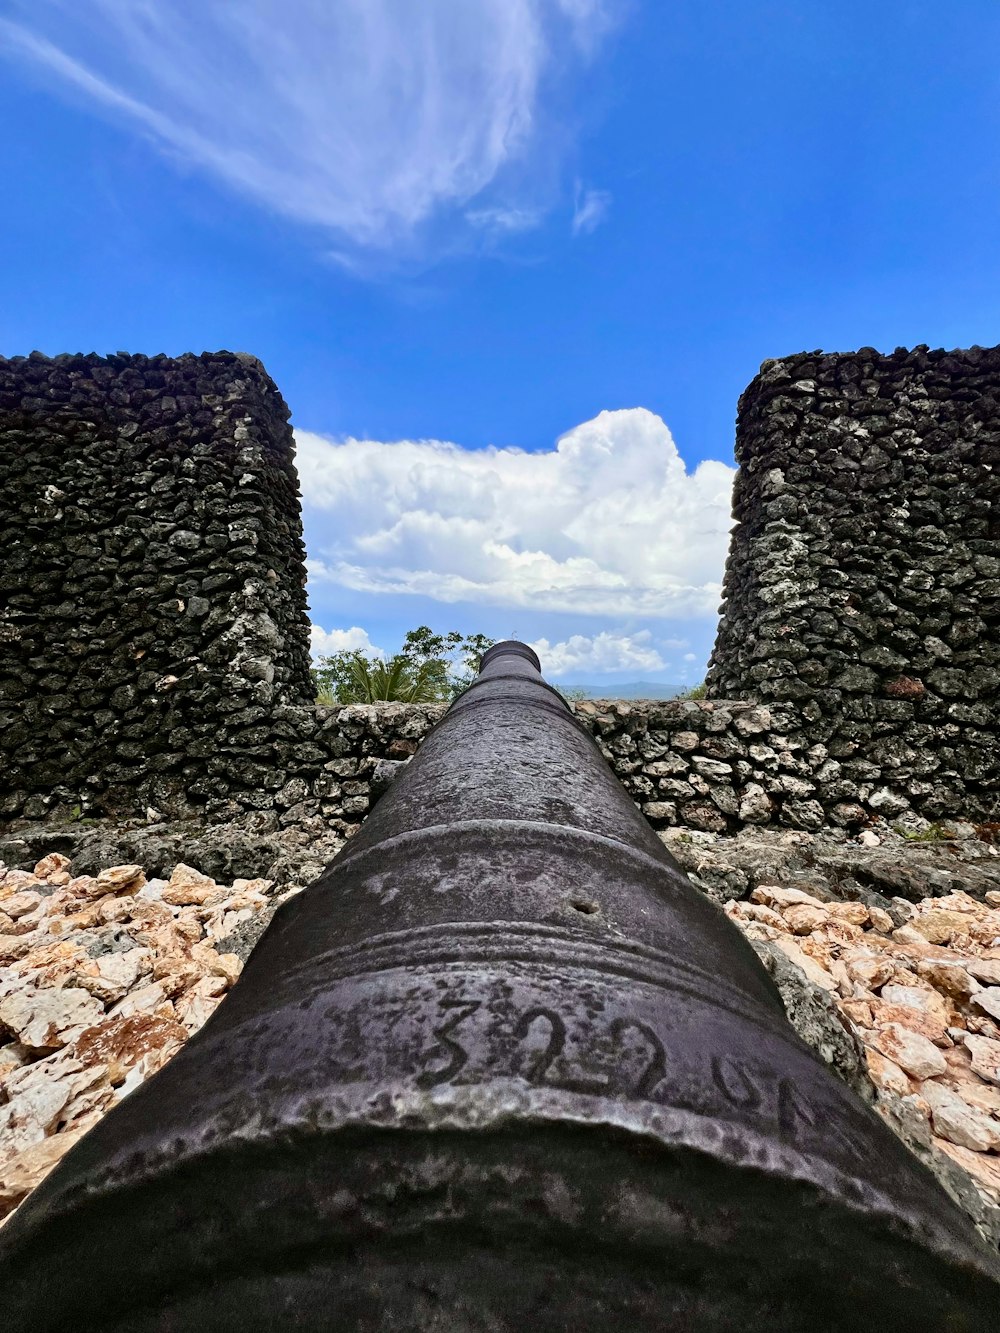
863	582
710	765
154	638
152	587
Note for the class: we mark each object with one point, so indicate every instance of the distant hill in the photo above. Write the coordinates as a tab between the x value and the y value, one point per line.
632	689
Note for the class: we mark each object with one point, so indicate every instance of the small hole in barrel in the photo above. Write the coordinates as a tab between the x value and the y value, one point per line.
584	905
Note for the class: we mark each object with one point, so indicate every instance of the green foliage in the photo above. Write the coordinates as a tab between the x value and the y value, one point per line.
453	658
429	668
932	833
572	693
398	679
695	692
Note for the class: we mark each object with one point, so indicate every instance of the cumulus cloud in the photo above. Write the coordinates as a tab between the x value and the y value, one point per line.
363	116
600	653
326	642
609	522
590	208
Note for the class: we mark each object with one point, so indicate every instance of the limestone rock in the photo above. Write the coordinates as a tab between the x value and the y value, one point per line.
108	978
952	979
46	1019
188	886
52	867
922	998
955	1120
20	904
886	1075
143	1000
120	879
22	1171
985	1057
988	1000
940	926
985	970
804	918
910	1051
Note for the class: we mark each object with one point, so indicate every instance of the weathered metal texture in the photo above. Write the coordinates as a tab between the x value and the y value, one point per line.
500	1068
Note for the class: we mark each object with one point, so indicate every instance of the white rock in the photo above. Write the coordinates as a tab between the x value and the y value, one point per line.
986	970
45	1019
120	879
988	1000
910	1051
916	997
198	1003
188	886
20	904
27	1117
774	895
111	975
815	972
985	1057
145	1000
953	1119
151	891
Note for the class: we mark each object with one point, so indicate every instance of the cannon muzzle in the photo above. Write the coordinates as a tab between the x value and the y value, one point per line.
500	1068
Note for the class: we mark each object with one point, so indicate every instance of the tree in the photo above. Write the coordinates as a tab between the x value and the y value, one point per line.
428	668
453	657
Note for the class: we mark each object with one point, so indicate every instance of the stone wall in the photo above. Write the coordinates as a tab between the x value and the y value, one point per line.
154	639
863	583
152	588
710	765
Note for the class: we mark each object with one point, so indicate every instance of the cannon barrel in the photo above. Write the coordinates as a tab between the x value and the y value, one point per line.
501	1067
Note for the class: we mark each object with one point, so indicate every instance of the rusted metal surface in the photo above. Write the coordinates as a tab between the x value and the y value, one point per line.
500	1068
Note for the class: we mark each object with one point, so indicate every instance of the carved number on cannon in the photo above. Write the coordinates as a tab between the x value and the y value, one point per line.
735	1084
557	1040
656	1068
447	1045
793	1113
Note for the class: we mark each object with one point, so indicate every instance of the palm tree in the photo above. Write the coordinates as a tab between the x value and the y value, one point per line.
398	679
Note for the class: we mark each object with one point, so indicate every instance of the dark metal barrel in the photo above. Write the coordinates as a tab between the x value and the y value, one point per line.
500	1068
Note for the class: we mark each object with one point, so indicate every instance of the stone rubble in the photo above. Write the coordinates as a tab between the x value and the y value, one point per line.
102	979
915	988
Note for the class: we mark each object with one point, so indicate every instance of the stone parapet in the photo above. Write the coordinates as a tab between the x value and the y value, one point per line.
863	582
152	587
713	765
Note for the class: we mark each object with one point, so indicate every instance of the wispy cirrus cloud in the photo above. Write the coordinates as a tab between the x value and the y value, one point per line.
369	118
590	208
610	523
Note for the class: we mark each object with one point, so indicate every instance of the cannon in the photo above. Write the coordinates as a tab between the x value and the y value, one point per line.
501	1067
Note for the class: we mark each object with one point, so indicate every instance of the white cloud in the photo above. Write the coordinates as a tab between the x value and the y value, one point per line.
326	642
591	19
590	208
602	653
690	657
500	221
364	116
608	523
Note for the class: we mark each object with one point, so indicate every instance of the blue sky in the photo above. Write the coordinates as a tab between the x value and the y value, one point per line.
457	234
